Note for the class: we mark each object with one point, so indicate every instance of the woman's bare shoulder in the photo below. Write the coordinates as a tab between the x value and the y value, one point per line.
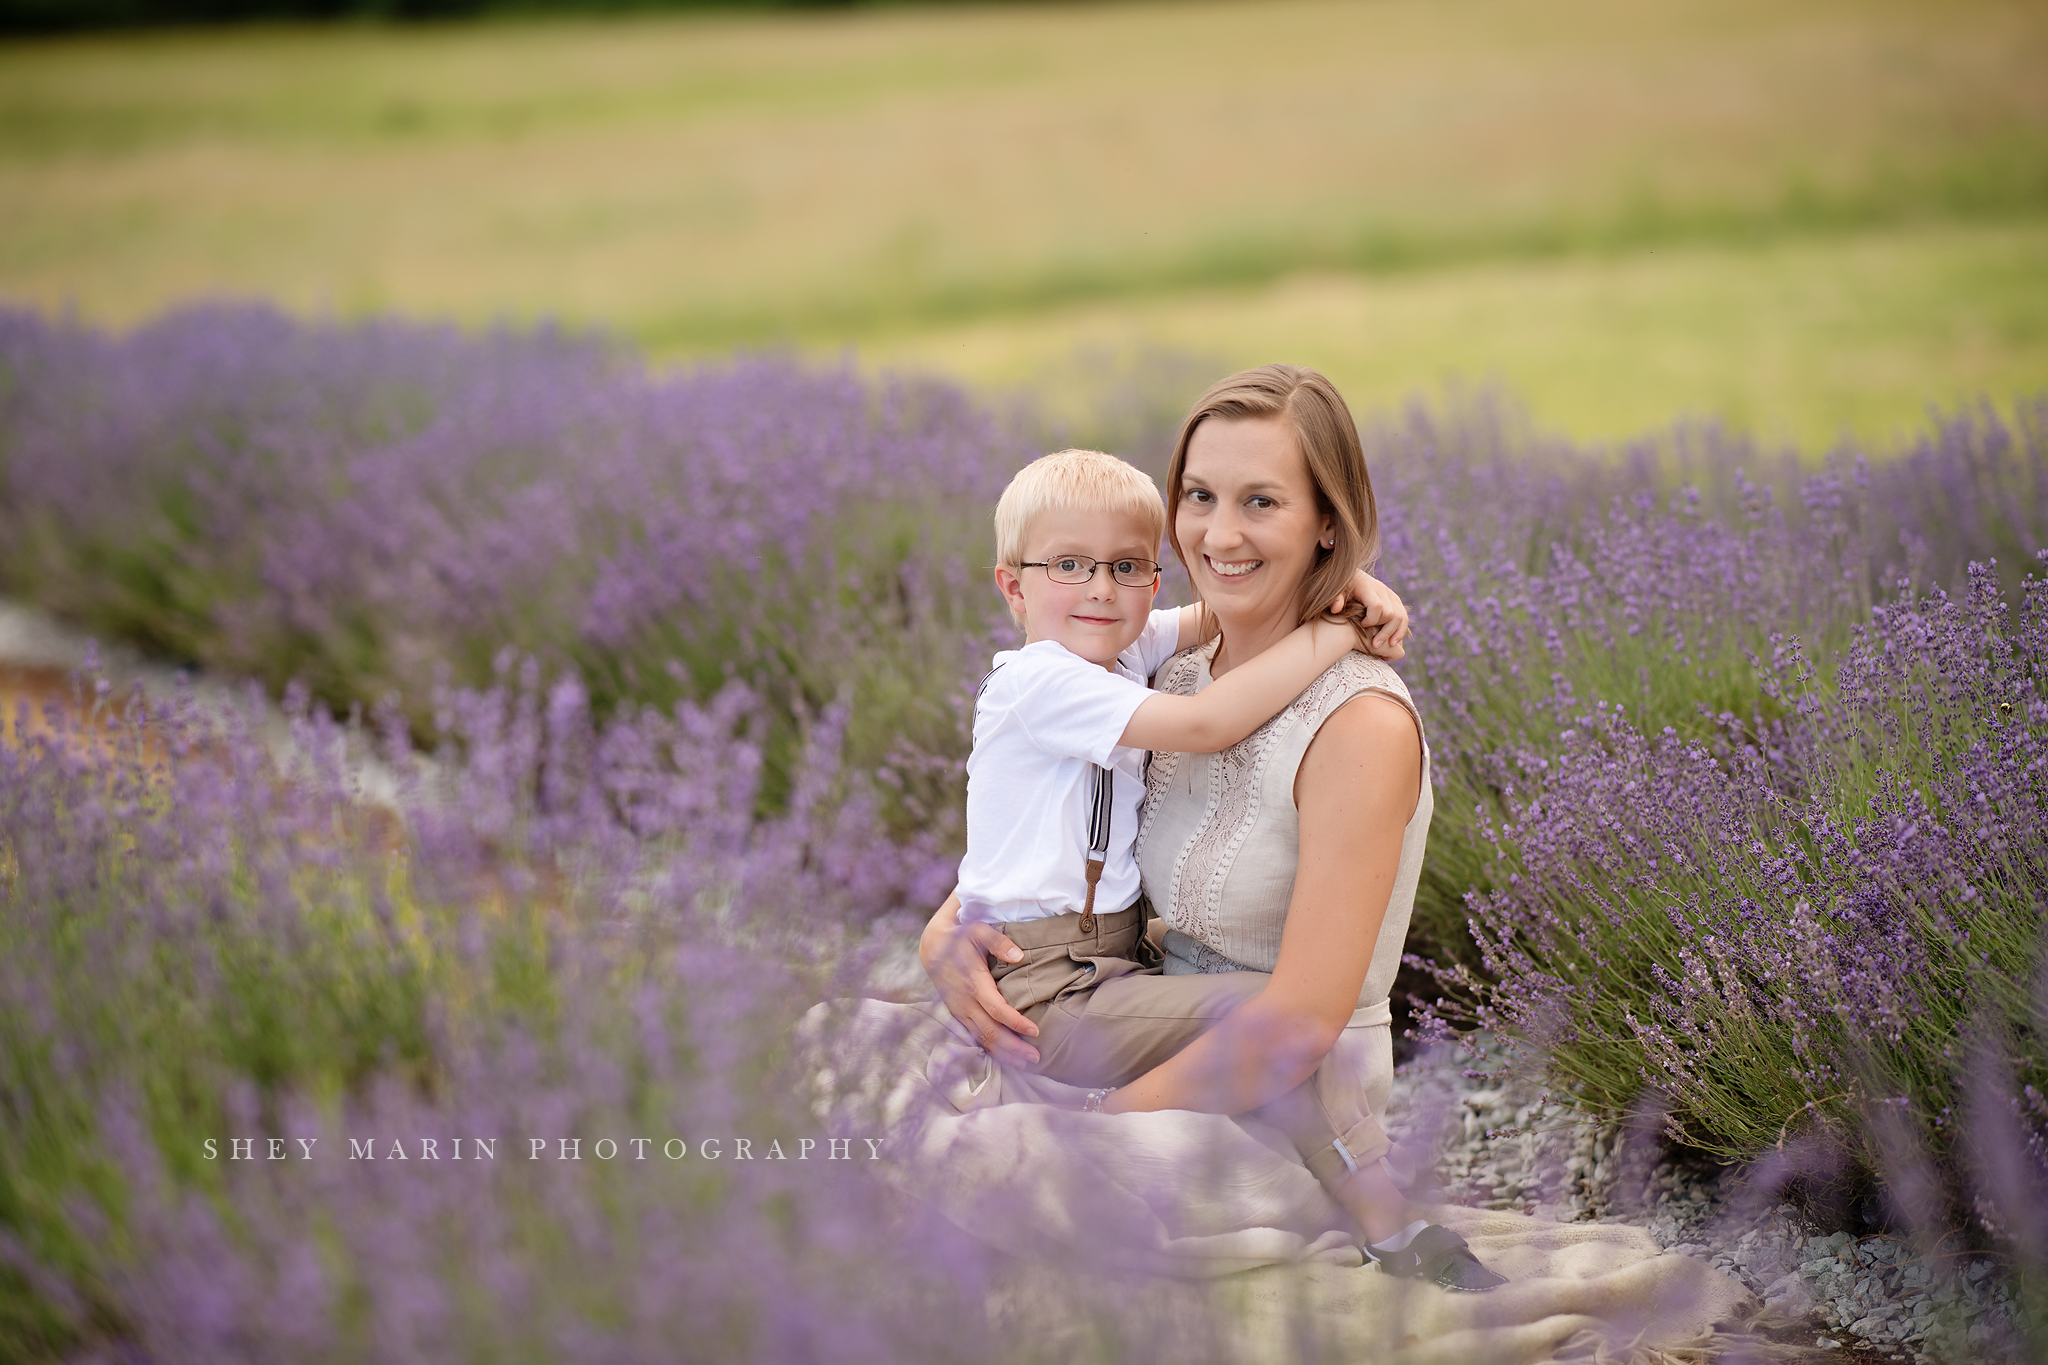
1353	675
1371	740
1380	722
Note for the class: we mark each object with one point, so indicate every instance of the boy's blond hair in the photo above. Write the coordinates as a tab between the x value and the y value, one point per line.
1076	481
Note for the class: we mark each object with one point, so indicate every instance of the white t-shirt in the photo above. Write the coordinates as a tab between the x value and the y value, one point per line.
1044	717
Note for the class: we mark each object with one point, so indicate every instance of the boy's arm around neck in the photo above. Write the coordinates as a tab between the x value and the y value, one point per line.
1243	699
1382	617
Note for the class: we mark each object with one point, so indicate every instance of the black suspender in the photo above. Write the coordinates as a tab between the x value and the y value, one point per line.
1103	792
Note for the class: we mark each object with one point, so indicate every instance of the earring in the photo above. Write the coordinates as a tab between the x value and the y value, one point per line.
1329	542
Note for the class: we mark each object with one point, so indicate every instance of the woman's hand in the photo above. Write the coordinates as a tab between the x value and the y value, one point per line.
955	957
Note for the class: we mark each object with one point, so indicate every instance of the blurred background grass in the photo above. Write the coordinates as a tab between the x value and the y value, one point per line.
1804	218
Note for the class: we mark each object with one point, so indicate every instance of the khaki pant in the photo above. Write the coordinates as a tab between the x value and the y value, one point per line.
1106	1018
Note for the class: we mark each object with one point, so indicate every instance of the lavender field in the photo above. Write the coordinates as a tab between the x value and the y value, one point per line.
625	719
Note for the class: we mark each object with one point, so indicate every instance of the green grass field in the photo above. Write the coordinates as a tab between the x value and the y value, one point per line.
1801	218
1800	340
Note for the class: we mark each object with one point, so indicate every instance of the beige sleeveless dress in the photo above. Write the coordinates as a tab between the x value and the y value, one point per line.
1220	834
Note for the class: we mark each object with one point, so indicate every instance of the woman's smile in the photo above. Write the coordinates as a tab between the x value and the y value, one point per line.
1248	525
1232	569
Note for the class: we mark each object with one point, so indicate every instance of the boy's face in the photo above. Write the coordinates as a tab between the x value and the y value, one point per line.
1098	619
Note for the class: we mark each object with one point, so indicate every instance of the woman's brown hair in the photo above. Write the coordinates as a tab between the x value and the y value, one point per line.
1336	467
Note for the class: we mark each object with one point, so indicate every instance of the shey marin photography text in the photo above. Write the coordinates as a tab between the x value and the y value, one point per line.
539	1149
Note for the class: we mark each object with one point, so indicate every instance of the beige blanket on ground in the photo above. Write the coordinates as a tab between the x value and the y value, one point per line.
1221	1216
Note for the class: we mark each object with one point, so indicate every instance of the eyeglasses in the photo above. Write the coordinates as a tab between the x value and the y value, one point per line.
1073	569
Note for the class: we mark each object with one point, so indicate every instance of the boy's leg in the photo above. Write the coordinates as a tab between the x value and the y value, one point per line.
1332	1120
1112	1032
1117	1031
1332	1117
1060	960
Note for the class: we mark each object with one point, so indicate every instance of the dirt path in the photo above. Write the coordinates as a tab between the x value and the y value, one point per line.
34	688
42	660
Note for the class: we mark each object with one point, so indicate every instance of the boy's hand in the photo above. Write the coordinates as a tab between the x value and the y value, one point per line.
1384	624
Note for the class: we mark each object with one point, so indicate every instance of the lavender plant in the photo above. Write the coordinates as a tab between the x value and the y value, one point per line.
1799	923
1973	488
556	929
2005	1127
362	507
1547	579
359	507
382	510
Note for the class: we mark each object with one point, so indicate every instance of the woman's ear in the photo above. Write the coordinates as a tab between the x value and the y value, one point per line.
1326	534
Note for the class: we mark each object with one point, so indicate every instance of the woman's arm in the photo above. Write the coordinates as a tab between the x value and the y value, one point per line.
955	956
1356	789
1242	700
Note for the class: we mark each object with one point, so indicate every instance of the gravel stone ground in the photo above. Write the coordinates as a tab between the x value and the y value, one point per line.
1502	1144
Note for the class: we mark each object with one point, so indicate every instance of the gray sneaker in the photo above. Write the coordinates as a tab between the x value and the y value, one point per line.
1440	1256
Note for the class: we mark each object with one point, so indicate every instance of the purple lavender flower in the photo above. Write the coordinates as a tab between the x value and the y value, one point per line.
1741	765
561	929
359	507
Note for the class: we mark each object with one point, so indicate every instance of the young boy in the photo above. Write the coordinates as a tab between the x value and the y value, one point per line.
1056	778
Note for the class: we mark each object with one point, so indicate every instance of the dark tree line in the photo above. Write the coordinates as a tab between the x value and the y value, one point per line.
47	16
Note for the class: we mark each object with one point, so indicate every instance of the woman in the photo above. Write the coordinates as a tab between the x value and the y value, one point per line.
1284	868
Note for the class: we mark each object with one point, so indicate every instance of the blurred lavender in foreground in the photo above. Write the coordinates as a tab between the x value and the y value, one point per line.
562	931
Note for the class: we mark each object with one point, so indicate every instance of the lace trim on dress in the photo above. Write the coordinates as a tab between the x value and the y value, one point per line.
1178	676
1233	811
1187	956
1194	897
